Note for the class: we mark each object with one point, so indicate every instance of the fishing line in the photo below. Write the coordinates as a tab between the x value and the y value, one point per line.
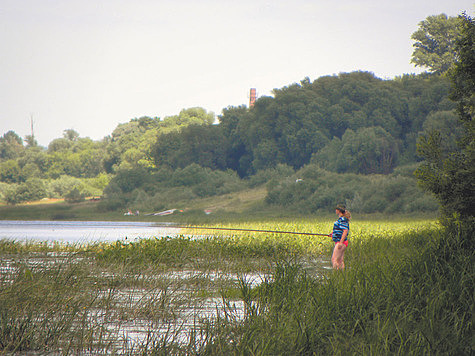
247	230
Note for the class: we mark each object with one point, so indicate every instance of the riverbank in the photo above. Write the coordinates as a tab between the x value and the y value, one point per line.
246	206
241	204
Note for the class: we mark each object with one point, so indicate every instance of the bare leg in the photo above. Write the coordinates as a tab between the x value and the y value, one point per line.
338	256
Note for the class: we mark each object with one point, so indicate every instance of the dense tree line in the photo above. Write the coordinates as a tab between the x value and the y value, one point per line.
351	122
347	123
74	167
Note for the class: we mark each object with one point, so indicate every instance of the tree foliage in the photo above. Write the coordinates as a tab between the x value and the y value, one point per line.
435	42
345	123
368	150
132	143
310	119
204	145
449	175
31	189
317	190
11	146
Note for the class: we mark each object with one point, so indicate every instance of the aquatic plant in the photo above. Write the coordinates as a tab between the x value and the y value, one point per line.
405	291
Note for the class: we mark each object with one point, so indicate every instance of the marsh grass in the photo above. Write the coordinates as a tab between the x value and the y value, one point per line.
123	298
398	296
407	290
39	305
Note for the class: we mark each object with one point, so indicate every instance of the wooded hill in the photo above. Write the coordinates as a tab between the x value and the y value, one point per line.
348	137
352	122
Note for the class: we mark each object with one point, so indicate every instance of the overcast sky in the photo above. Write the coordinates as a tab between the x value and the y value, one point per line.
89	65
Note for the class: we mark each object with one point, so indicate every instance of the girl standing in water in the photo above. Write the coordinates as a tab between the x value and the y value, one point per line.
341	228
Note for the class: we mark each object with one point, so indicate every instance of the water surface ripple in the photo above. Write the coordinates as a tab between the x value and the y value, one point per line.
82	231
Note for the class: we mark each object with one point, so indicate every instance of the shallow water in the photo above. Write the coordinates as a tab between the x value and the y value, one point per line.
170	297
122	320
82	231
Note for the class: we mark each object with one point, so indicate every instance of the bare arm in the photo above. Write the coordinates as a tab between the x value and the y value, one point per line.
343	235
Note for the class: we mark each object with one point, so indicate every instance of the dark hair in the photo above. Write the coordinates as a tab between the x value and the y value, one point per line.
346	213
341	207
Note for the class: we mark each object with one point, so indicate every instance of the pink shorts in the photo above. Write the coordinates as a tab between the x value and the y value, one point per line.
344	243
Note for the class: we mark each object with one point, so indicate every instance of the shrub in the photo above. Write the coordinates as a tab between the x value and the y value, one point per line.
128	180
32	189
406	170
112	202
189	176
3	188
65	184
99	182
74	196
425	203
10	172
320	190
265	175
9	193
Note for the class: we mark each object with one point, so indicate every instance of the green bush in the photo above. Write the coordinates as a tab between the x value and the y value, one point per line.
99	182
65	184
74	196
9	193
128	180
112	203
375	203
263	176
10	172
423	203
189	176
32	189
3	188
406	170
320	190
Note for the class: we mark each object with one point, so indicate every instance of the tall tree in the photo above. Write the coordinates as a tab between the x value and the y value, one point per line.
368	150
31	141
203	145
435	43
450	177
70	134
11	146
237	155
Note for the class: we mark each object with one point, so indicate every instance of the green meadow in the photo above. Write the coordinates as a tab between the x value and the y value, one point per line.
407	289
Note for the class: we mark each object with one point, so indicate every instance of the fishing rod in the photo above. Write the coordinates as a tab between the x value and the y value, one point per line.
247	230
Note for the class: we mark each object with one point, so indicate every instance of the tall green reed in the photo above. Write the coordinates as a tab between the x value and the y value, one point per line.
45	309
398	296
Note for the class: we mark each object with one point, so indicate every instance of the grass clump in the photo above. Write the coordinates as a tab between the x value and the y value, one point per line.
399	296
46	309
218	251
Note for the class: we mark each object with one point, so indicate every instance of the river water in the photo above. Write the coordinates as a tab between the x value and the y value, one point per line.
82	231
